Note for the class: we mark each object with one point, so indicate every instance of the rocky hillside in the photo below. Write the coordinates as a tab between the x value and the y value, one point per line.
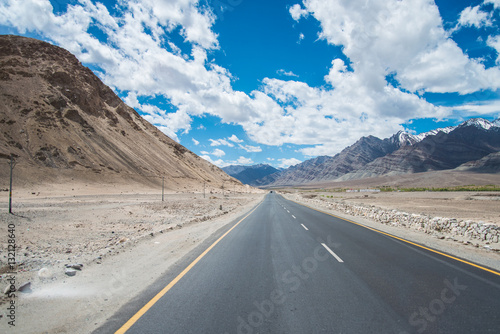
62	123
488	164
352	158
471	144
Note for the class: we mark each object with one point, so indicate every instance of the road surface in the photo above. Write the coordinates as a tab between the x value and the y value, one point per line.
286	268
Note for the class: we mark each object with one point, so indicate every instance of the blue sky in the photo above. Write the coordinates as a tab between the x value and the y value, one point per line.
279	82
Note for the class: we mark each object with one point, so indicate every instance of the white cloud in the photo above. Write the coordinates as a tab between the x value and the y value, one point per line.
244	161
219	162
195	142
474	17
495	3
251	149
494	42
285	163
220	142
405	39
286	73
235	139
480	108
168	123
218	153
297	12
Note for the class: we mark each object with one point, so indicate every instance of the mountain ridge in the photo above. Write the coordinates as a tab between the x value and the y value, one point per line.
249	174
399	154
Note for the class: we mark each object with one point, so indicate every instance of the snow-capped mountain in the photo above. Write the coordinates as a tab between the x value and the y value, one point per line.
481	123
444	148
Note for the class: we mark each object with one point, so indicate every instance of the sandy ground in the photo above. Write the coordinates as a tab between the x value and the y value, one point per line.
416	202
125	242
476	206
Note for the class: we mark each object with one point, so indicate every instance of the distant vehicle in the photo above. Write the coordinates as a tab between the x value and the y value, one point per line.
271	192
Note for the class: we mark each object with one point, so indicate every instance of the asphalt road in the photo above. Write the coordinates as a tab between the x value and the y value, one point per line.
289	269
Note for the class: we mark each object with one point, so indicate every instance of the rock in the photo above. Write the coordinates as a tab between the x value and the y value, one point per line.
44	273
25	287
70	272
77	266
123	240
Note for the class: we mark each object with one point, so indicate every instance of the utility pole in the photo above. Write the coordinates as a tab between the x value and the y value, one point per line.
204	184
162	188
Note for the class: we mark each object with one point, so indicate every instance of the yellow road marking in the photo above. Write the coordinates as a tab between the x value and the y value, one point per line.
404	240
160	294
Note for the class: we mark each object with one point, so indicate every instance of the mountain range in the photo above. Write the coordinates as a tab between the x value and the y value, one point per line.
250	174
473	145
64	125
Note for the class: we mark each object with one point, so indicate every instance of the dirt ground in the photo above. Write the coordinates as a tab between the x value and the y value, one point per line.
121	239
475	206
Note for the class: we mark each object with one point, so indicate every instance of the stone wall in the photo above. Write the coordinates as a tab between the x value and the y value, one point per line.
465	231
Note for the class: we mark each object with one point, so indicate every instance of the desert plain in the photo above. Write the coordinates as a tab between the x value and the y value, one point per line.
128	238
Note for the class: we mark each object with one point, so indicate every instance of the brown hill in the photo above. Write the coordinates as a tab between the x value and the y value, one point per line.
63	124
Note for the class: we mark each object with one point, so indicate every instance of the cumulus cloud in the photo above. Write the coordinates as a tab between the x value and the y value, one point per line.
494	42
219	162
297	12
401	38
218	153
251	149
195	142
139	58
220	142
244	161
474	17
285	163
235	139
495	3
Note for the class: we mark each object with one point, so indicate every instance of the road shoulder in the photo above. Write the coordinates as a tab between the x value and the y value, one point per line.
470	253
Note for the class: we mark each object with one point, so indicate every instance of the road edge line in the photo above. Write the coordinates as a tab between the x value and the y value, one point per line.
160	294
404	240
